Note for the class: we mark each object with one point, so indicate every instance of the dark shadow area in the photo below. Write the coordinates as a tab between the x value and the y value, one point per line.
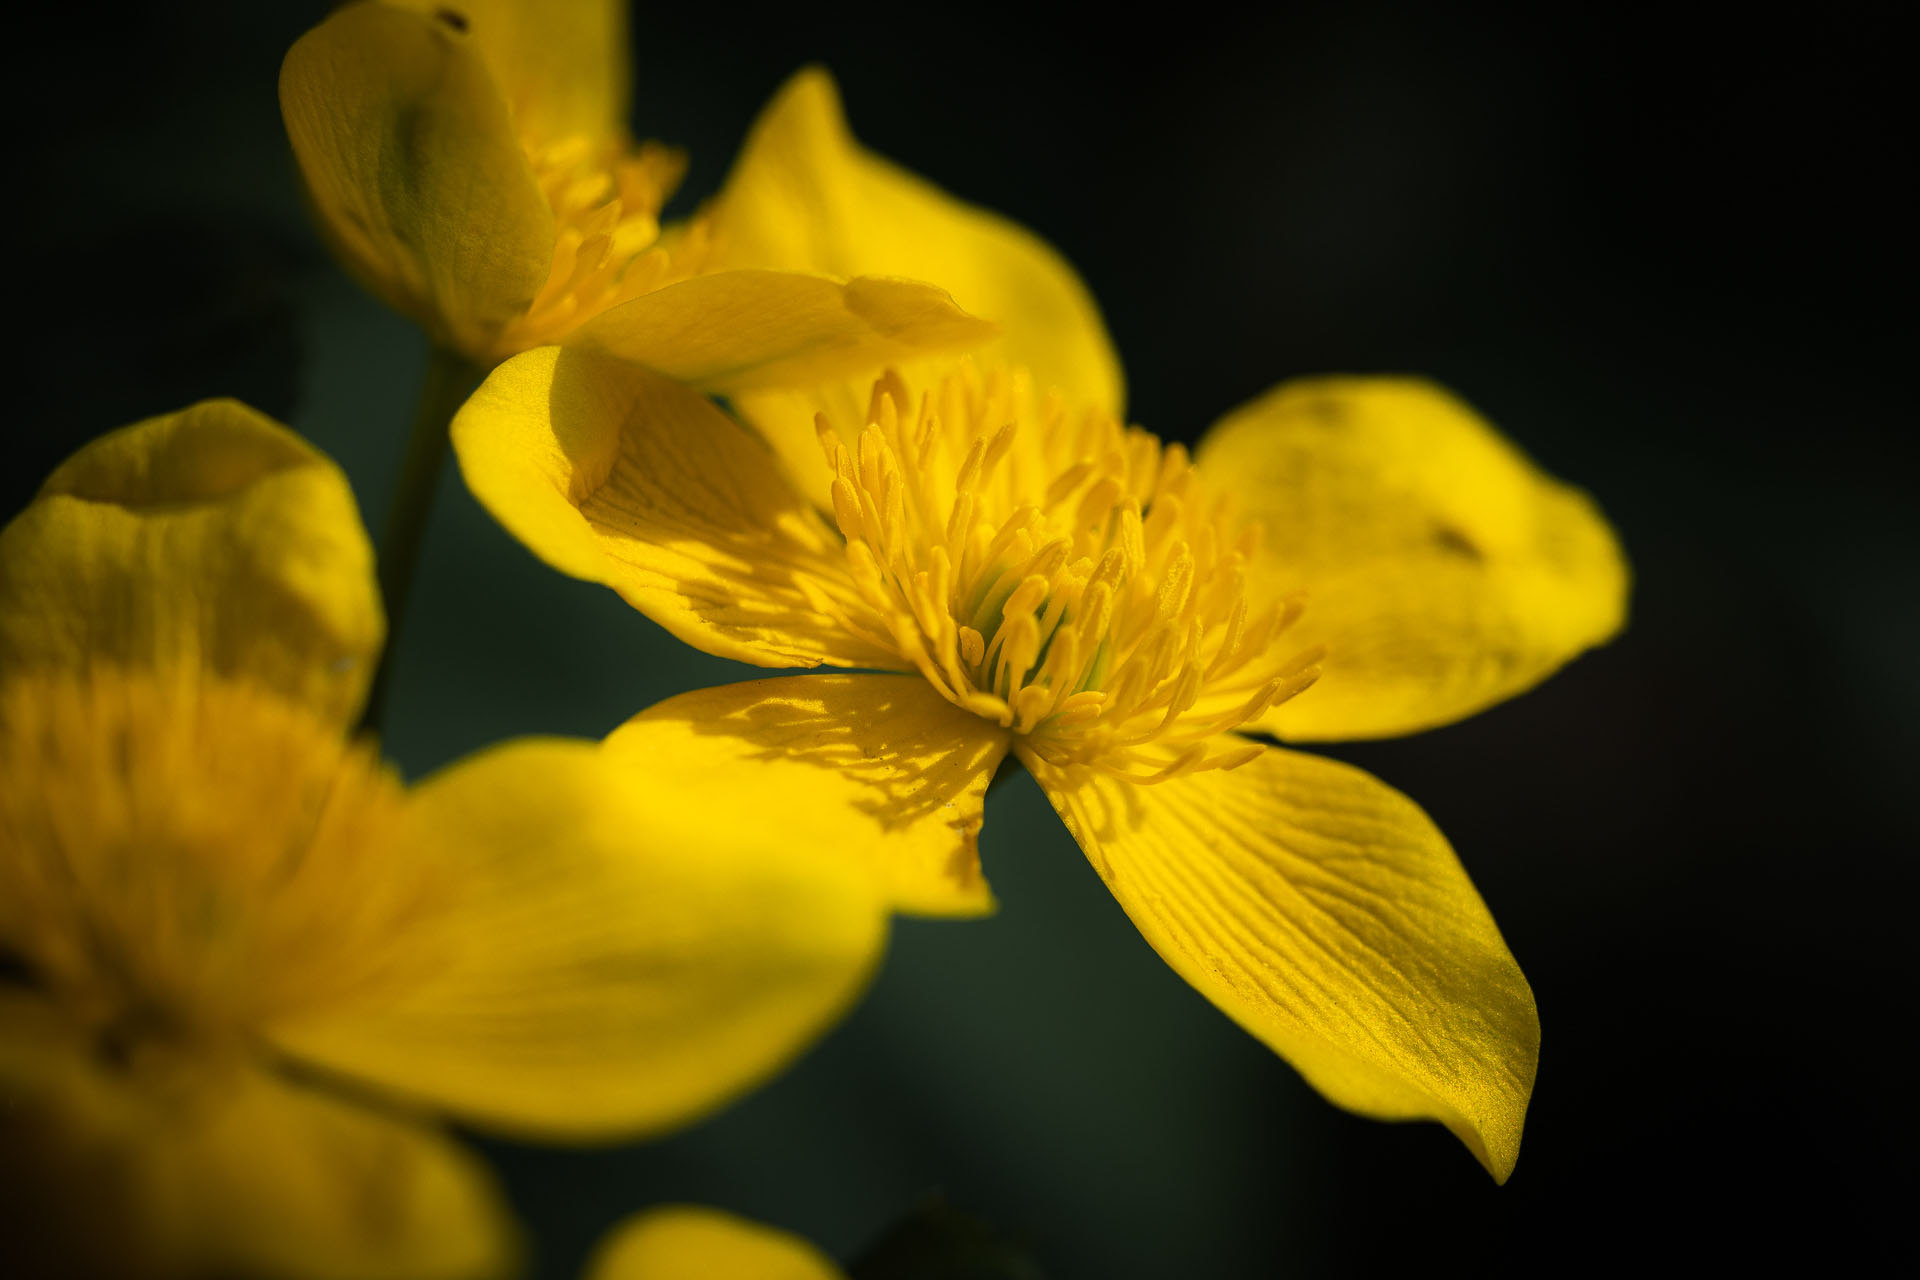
137	320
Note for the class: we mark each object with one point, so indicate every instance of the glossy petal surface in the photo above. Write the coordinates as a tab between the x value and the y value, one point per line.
614	961
890	774
680	1242
415	172
212	538
1442	569
1323	911
615	474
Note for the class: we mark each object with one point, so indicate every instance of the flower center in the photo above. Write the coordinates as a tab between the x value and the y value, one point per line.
606	197
1064	576
181	861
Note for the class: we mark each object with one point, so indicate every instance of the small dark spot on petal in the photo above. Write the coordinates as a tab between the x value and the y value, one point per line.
1448	538
113	1049
16	972
453	18
1329	411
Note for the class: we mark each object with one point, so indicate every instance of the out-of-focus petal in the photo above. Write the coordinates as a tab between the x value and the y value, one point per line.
212	538
563	66
415	172
209	1168
615	474
891	773
737	331
1443	571
691	1242
1324	912
613	960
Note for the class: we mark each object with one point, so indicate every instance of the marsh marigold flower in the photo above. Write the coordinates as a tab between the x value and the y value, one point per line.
1049	581
246	967
470	163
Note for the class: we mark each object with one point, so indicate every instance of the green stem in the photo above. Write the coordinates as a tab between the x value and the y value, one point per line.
449	379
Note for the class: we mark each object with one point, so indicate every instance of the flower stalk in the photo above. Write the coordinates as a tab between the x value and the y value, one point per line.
448	380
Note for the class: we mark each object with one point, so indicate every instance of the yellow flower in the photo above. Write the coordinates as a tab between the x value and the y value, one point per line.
470	164
690	1242
246	967
1054	584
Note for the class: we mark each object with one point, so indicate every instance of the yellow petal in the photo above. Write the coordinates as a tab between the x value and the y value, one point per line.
212	537
1443	570
683	1241
615	962
617	475
562	65
414	170
751	330
1323	911
890	774
218	1168
804	195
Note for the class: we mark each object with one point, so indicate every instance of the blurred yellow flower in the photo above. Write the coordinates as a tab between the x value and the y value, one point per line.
246	966
691	1242
1072	590
470	164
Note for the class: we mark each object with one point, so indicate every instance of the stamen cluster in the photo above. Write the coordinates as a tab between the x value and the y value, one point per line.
1062	575
606	197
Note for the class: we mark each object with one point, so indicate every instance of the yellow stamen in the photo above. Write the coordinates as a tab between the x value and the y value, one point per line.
606	197
1062	575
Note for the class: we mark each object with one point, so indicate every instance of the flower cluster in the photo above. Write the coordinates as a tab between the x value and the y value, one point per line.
249	973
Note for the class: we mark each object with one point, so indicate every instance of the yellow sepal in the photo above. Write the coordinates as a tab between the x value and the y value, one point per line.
561	65
683	1241
738	331
617	475
804	195
1324	912
1443	571
880	770
225	1169
415	172
210	539
612	961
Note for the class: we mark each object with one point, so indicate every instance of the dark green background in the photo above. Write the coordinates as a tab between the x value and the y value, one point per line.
1666	254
